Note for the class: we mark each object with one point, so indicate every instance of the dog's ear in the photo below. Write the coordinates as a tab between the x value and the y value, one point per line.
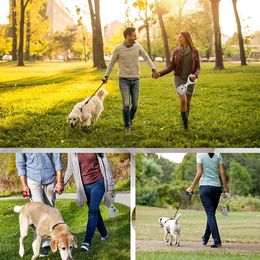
54	245
75	242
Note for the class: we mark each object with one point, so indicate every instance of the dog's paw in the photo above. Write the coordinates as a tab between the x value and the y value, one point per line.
21	252
177	244
171	244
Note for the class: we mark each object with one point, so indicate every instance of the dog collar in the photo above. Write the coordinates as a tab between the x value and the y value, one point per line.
57	225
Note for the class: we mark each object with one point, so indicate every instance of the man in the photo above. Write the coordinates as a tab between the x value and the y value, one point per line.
41	176
127	54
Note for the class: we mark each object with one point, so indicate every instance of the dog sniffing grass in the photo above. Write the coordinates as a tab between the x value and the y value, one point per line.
119	228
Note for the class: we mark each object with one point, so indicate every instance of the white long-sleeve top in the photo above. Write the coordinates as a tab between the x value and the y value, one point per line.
128	60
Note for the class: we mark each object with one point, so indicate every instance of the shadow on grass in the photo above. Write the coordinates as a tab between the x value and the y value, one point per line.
64	75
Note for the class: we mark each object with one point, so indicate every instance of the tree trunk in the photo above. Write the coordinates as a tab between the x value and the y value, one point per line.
239	34
147	31
97	40
164	35
20	50
218	47
28	37
100	48
14	31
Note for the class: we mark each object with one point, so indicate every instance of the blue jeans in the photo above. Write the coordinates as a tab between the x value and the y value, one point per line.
130	89
94	192
209	196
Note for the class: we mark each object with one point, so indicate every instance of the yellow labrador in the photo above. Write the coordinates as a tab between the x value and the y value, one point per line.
47	222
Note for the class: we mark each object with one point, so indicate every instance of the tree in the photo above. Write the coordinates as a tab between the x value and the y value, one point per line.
65	40
239	34
28	36
143	7
218	47
23	6
163	32
97	39
14	30
240	179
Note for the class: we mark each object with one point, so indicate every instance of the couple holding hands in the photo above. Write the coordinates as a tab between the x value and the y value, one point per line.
41	177
185	63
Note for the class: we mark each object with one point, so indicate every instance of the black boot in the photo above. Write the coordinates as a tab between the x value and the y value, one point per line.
184	117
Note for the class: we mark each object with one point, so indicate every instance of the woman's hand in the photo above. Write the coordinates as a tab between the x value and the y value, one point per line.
193	77
190	190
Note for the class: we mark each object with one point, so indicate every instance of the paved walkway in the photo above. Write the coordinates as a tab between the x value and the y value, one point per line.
153	245
121	197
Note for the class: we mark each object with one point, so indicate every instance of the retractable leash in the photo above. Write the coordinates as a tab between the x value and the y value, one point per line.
186	196
27	195
103	82
223	208
182	89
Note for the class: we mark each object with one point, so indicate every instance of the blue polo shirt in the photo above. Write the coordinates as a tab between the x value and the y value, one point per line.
210	169
39	167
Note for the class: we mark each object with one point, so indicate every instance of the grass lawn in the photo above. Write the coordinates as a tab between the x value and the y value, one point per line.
195	256
238	227
117	247
35	101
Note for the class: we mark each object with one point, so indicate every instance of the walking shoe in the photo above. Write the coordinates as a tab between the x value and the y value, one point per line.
215	246
85	247
204	242
45	251
106	237
128	130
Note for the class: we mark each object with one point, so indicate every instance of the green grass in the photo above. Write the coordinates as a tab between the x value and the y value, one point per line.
238	227
117	247
35	101
195	256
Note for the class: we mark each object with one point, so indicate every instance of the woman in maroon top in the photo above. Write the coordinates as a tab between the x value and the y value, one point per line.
185	61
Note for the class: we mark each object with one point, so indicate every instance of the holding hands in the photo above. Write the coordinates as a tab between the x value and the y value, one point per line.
155	74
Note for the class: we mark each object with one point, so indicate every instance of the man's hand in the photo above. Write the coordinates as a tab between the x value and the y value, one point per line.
105	79
155	74
26	191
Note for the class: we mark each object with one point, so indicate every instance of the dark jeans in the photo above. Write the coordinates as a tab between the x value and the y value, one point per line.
209	196
94	192
130	97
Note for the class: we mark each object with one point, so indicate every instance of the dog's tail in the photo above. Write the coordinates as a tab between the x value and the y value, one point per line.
177	218
17	209
101	94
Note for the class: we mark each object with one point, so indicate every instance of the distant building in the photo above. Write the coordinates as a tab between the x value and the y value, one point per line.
111	29
59	16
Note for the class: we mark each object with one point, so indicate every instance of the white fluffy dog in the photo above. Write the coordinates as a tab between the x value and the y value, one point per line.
84	113
171	226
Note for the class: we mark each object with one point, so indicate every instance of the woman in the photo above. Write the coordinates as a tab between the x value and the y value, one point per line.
185	61
94	180
211	175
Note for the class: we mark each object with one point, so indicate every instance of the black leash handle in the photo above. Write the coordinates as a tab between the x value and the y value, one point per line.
103	82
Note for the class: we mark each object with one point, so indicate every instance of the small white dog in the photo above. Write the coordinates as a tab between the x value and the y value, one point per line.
84	113
171	226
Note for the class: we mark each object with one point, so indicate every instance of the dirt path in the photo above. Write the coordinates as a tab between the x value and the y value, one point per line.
152	245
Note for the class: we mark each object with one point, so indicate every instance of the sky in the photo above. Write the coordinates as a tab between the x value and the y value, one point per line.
115	10
174	157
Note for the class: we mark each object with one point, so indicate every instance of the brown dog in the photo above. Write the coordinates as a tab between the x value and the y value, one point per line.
47	222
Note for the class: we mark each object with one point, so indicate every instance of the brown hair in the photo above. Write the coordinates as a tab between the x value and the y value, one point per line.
188	39
129	31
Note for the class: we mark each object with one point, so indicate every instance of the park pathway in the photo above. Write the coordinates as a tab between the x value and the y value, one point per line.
122	197
153	245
